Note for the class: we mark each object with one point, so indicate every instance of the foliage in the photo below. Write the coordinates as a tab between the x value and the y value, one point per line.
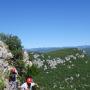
27	72
31	56
14	44
1	84
71	75
64	78
20	65
33	71
74	75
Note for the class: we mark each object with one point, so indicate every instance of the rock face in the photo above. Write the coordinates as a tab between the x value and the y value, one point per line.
4	52
25	56
4	55
26	59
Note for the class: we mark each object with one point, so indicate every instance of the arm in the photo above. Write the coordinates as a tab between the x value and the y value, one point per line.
34	84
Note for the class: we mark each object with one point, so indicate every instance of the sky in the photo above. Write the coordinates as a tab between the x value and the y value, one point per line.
47	23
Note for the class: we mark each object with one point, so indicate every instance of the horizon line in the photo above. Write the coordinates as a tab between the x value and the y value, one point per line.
59	46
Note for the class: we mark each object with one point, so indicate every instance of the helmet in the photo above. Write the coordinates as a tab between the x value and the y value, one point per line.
29	80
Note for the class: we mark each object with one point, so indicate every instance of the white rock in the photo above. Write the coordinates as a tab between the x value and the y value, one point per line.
36	56
25	56
4	52
78	75
38	62
45	67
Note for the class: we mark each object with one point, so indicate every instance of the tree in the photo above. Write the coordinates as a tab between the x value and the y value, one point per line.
14	44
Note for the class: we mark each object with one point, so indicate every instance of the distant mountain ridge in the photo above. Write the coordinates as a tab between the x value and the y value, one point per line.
86	48
49	49
42	50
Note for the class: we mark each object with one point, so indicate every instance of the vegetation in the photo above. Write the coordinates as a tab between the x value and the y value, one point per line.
14	45
63	52
1	84
70	75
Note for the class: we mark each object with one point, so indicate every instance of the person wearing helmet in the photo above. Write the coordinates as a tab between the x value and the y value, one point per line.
28	85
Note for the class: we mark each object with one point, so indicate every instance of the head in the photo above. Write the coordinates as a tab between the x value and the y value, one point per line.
13	70
29	81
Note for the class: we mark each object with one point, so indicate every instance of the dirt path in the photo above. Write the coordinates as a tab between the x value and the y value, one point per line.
6	85
10	85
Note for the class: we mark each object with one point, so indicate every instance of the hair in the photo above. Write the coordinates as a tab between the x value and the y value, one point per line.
28	77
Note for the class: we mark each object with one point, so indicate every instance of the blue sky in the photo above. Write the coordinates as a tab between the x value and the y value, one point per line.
47	23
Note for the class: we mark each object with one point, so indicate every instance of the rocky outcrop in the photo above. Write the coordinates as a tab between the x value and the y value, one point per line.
26	59
52	63
5	54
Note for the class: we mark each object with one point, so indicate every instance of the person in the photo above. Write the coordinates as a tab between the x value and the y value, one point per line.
12	78
29	84
13	74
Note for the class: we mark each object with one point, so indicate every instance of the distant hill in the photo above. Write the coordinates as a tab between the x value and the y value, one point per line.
50	49
64	69
86	48
44	50
63	52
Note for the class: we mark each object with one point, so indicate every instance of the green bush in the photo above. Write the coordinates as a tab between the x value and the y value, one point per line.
32	71
1	84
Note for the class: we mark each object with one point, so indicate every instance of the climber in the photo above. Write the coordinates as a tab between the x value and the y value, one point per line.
13	84
29	84
13	74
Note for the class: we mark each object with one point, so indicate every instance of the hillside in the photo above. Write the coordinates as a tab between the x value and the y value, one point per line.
64	52
62	69
66	69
